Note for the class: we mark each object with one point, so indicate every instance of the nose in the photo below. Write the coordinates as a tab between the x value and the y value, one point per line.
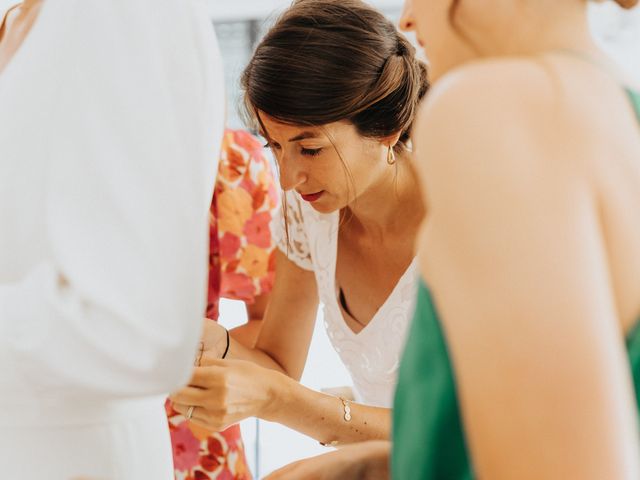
407	22
291	172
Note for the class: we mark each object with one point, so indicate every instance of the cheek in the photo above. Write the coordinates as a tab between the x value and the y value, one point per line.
340	176
432	23
325	171
366	166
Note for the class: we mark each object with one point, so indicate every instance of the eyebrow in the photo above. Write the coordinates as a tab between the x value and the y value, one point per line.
297	138
303	136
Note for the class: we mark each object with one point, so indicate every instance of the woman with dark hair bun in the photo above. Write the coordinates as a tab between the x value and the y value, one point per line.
523	360
333	87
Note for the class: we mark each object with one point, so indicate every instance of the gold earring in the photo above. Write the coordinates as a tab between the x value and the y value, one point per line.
391	156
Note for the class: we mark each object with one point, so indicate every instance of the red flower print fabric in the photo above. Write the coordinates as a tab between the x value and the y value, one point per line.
241	267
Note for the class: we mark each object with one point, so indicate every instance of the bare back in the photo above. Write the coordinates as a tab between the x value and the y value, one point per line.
607	146
531	235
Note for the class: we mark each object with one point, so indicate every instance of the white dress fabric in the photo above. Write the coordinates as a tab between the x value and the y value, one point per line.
111	114
371	356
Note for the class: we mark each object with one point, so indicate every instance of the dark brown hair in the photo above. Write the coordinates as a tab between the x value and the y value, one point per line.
325	61
627	3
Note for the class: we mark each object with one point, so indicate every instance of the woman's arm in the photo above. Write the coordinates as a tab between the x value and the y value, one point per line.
287	327
233	389
228	391
514	254
247	334
361	461
322	417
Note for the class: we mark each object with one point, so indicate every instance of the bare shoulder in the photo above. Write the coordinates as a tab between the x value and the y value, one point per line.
505	116
482	113
492	86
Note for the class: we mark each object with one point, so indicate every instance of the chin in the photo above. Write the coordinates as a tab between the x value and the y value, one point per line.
320	207
326	205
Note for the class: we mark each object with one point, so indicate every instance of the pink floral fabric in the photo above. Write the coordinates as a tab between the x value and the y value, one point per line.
241	267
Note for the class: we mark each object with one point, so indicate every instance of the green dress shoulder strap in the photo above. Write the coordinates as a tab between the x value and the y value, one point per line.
633	350
428	439
633	339
634	96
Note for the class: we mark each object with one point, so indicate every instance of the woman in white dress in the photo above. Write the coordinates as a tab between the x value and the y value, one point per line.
333	87
107	110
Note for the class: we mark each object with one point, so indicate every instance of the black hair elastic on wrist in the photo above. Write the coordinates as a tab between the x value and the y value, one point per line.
226	350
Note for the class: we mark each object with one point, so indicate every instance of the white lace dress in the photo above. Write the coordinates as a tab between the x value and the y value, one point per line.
372	356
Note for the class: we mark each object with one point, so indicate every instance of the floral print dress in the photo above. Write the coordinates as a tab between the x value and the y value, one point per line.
241	267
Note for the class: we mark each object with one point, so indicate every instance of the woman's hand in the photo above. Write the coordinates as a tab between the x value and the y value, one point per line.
213	341
360	461
225	392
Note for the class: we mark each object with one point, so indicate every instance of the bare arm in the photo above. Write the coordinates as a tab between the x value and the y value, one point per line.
231	390
287	327
247	334
322	417
362	461
514	231
245	384
228	391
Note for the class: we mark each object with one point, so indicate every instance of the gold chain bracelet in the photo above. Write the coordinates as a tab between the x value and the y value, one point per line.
347	409
346	404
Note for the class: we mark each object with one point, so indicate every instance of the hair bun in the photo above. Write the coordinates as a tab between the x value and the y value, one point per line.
627	3
402	49
362	70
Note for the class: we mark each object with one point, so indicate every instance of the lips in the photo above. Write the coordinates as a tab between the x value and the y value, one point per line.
312	197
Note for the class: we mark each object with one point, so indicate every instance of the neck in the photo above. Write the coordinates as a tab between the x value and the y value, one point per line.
543	26
389	206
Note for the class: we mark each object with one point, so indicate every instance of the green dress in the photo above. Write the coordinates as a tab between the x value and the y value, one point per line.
428	435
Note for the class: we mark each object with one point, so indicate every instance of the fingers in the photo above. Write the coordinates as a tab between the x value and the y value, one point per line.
181	408
199	354
207	377
189	396
208	360
212	373
198	416
204	418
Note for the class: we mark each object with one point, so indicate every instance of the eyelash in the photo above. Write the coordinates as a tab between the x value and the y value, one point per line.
310	152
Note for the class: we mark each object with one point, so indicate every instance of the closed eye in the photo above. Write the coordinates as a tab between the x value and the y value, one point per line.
311	152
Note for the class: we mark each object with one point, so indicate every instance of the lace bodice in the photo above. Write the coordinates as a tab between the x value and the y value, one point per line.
372	355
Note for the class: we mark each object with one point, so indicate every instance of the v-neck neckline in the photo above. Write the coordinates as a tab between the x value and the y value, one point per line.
334	235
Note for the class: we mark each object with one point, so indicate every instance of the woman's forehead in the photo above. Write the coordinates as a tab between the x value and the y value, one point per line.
287	132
